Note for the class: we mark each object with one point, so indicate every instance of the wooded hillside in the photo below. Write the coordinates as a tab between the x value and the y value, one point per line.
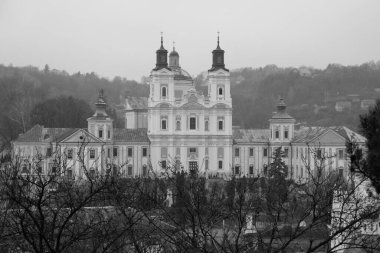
311	94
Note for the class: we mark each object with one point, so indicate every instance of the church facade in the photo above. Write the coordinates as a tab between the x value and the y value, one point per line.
179	128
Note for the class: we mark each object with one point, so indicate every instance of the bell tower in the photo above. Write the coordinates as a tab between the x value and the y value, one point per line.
218	58
281	124
219	78
100	124
161	56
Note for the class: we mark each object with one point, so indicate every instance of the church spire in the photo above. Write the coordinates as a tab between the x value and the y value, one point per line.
161	56
101	105
218	58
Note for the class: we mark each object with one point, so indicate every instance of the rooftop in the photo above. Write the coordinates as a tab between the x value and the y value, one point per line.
39	133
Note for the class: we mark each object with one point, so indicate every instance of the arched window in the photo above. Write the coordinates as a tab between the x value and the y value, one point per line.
163	92
277	133
220	91
178	125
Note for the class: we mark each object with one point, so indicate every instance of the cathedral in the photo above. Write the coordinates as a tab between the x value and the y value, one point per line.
178	128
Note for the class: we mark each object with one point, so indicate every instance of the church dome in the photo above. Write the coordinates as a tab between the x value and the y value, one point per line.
181	74
173	53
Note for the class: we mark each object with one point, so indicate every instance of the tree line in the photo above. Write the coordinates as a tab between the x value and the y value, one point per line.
179	211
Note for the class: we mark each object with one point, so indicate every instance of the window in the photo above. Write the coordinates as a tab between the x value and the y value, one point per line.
69	173
177	164
115	151
220	165
25	169
340	154
178	125
130	170
297	153
251	152
319	153
206	125
286	133
130	151
220	124
220	91
237	170
92	153
193	151
178	152
277	133
193	165
163	123
144	152
301	171
251	169
53	168
193	123
100	134
286	152
92	173
109	134
144	170
220	152
164	152
163	164
265	152
70	154
341	172
265	169
48	152
108	152
163	91
206	164
237	152
39	170
115	170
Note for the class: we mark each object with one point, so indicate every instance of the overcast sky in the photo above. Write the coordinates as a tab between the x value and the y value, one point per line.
120	37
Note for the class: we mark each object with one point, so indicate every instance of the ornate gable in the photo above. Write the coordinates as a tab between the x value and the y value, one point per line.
192	105
81	136
330	137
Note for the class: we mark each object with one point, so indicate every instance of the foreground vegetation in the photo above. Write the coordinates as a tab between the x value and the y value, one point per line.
178	211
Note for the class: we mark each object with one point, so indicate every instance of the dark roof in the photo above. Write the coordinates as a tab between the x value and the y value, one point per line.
130	135
173	53
99	117
282	115
39	133
308	134
46	135
138	102
251	135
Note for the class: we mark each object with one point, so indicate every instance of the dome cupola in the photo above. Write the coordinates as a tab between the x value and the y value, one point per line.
173	58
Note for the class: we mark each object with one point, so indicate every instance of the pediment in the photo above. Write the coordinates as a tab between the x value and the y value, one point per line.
81	136
163	105
330	137
221	72
192	105
193	98
220	106
164	71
